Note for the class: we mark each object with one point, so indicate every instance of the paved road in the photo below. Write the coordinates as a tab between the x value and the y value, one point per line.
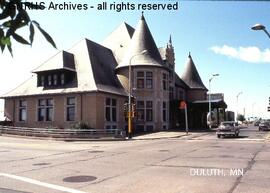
198	163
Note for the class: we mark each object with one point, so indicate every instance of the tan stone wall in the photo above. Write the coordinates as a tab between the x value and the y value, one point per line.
9	106
101	120
89	108
157	94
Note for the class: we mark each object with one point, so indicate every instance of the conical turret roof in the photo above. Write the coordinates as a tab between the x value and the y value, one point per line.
142	48
191	76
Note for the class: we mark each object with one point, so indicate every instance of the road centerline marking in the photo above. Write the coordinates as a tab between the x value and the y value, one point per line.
39	183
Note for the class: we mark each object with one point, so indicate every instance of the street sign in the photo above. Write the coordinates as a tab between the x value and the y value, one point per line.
182	105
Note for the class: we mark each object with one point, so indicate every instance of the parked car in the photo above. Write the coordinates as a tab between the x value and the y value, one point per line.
228	128
264	126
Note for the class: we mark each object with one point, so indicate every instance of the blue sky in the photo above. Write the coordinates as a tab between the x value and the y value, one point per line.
217	33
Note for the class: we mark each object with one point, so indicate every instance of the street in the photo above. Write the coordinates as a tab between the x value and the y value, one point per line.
198	163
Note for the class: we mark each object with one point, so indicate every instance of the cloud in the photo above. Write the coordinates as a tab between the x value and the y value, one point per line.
250	54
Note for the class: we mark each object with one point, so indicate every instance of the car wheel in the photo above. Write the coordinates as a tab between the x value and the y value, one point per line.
218	136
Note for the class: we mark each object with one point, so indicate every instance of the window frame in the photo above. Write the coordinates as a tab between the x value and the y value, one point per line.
144	79
110	113
45	105
68	106
145	111
22	108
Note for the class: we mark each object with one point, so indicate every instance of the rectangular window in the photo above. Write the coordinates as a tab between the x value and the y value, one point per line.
45	110
140	110
149	111
140	79
70	109
144	80
22	110
49	80
62	79
149	80
171	93
55	79
164	111
144	110
41	80
165	81
110	110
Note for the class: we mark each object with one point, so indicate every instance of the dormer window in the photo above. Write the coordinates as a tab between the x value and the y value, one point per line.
55	77
42	80
62	78
49	80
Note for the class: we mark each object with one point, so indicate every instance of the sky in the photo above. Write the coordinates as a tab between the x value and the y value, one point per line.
217	33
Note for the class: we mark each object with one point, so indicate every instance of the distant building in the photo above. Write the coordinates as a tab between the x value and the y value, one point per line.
89	83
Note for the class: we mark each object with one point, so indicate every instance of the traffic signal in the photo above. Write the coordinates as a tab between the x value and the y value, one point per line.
268	109
269	100
133	109
125	109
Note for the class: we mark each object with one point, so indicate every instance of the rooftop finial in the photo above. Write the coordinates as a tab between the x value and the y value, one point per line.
170	40
189	54
142	18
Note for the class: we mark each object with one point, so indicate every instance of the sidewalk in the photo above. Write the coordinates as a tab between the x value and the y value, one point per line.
168	134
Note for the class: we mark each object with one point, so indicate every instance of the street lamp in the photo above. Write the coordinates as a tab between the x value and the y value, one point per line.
253	109
237	104
129	95
210	109
260	27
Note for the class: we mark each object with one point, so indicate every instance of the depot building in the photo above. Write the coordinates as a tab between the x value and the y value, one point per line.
88	83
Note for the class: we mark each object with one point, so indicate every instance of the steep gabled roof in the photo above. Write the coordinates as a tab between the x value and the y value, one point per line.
179	82
118	40
142	41
62	60
94	66
191	76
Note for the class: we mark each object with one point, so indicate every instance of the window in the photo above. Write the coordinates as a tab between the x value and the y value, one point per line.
55	79
144	80
62	79
171	93
49	80
140	79
22	110
165	81
149	111
145	110
70	109
45	109
149	80
140	110
164	111
110	110
42	80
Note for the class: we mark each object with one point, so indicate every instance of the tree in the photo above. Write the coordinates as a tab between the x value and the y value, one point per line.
13	16
240	117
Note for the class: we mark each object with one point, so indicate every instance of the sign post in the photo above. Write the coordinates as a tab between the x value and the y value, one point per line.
183	105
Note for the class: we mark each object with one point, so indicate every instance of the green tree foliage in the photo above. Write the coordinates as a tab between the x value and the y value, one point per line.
241	117
13	16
